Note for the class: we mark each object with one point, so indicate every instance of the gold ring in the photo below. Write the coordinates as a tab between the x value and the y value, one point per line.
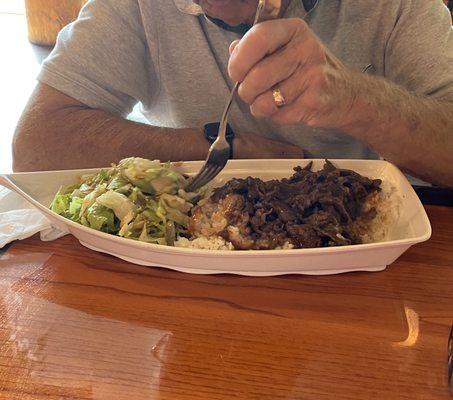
279	100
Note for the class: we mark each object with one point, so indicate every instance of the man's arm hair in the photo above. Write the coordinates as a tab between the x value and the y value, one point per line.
58	132
414	132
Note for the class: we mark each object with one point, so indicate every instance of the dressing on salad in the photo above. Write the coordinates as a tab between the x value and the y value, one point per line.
137	199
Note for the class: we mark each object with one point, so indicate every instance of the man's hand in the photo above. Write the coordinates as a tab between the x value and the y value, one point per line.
250	145
413	131
287	55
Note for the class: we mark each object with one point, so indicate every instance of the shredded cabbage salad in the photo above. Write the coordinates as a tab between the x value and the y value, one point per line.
138	199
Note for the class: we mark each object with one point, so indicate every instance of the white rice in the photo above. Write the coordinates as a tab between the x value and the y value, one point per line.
208	243
388	210
215	243
386	202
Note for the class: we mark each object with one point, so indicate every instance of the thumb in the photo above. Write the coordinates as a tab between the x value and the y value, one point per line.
233	45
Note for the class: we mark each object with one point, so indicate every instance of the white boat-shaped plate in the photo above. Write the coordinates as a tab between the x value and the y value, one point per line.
412	227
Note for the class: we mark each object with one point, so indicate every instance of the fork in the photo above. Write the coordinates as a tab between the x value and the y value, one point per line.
219	153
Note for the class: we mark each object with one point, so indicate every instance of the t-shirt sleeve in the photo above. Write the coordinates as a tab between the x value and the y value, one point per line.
419	53
101	59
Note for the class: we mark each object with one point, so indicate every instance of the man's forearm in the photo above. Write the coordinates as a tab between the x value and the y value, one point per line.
80	137
58	132
413	132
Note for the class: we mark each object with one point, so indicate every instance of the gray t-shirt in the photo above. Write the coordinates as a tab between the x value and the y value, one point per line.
166	55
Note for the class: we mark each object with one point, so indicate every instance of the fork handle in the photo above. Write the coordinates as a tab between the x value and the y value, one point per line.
223	121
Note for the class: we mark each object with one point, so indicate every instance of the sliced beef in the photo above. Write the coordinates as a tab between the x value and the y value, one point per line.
309	209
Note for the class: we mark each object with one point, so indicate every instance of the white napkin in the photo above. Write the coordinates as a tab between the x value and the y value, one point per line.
20	220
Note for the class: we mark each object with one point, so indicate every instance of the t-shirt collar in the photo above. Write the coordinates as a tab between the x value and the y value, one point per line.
189	7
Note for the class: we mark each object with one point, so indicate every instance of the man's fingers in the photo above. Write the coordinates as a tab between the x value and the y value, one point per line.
261	40
264	105
274	69
284	55
306	110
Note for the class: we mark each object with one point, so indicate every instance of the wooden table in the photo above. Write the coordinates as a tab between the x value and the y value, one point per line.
76	324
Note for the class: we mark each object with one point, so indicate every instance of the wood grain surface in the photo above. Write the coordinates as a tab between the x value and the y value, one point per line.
75	324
